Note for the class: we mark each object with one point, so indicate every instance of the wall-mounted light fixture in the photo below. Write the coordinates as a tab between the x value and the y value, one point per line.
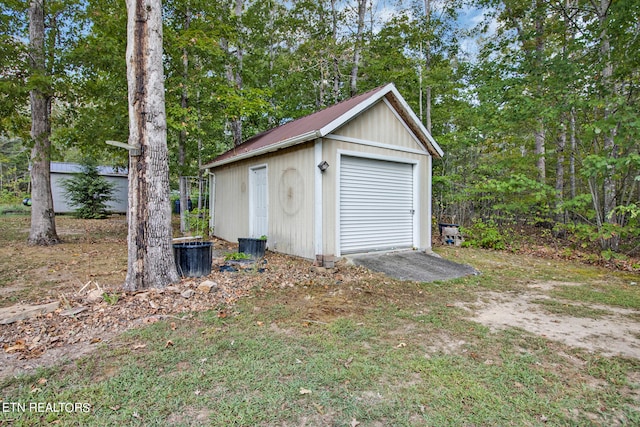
323	166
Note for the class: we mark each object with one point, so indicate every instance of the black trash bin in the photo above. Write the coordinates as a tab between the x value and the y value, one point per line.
193	259
253	247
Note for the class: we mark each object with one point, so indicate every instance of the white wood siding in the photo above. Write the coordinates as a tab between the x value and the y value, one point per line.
290	177
380	124
231	204
61	202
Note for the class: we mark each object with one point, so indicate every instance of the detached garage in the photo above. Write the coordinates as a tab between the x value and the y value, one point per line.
354	177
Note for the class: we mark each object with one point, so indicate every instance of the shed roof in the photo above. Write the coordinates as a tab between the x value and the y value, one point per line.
64	167
323	122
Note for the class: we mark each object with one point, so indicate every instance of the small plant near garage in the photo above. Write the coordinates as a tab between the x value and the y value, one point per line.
236	256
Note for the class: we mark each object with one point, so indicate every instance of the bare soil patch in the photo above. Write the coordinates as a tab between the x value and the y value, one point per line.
92	250
614	334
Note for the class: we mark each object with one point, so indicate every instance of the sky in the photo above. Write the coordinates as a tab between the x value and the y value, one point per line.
468	18
471	17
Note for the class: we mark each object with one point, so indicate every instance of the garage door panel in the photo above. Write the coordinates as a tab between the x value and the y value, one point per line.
384	179
386	182
376	204
381	196
372	217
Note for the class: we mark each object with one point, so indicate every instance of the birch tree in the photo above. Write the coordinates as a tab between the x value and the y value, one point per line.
150	256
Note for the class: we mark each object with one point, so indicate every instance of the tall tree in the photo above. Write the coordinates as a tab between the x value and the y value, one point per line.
528	19
357	47
601	9
43	226
427	61
234	68
150	254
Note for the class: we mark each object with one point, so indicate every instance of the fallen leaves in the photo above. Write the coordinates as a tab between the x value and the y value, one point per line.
18	346
78	322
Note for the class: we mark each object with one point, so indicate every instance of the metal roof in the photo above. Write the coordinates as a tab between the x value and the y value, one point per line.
323	122
63	167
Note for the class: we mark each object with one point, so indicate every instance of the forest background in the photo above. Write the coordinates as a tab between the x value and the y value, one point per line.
535	103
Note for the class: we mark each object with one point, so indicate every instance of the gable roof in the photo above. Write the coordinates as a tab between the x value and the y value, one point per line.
323	122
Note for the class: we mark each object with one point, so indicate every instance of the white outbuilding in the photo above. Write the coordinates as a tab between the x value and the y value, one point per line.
355	177
61	171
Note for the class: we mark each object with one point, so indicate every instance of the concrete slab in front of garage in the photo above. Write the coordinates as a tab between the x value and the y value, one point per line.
412	265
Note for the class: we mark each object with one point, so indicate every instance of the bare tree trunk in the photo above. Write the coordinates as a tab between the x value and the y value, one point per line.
574	147
43	226
609	186
182	137
234	76
272	58
569	29
539	136
200	172
334	52
540	133
357	48
562	143
427	12
321	101
184	204
150	253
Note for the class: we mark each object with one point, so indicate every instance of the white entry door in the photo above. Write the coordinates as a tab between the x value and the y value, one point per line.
376	205
258	202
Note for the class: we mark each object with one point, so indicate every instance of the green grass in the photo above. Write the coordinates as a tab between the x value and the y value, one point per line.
375	350
263	367
614	294
14	228
557	307
15	209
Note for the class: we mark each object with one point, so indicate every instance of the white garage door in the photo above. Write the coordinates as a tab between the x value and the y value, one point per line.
376	205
